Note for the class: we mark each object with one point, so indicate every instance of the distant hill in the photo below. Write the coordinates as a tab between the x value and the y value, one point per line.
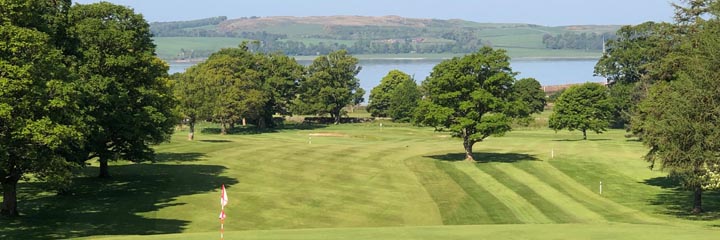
381	37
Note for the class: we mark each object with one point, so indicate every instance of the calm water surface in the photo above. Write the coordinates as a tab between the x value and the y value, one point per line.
547	72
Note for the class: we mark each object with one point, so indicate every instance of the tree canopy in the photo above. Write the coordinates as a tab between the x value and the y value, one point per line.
331	85
380	96
125	87
404	100
39	112
530	94
634	61
235	84
471	97
678	119
582	107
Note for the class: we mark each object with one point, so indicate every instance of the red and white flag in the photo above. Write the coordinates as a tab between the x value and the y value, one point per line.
223	197
222	214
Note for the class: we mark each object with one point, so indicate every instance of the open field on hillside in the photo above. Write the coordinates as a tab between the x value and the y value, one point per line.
363	181
522	40
170	47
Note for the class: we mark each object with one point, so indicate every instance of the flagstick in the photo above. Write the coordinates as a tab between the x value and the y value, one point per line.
222	229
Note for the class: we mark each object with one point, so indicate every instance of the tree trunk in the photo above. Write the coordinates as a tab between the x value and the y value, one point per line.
584	134
468	145
697	201
261	123
223	127
104	173
191	135
9	204
336	117
244	122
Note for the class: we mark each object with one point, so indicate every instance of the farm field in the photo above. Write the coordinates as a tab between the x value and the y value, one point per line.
169	47
373	182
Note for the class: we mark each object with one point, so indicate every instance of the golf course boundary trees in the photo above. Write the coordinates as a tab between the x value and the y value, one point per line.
471	96
331	85
125	88
582	107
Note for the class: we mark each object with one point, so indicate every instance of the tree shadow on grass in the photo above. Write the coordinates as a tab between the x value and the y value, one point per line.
121	205
486	157
581	140
677	201
251	130
178	157
215	141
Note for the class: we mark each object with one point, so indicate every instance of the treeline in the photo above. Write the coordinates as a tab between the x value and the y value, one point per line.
73	93
368	39
663	85
179	28
239	85
583	41
297	48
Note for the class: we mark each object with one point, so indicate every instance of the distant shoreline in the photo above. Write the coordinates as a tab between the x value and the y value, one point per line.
420	58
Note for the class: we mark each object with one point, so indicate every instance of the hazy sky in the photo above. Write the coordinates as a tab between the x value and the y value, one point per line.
543	12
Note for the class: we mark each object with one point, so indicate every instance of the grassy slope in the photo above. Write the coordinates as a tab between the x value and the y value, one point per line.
508	231
169	47
366	176
520	40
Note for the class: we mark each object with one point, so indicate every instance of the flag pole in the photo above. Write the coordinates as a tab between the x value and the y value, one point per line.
222	229
223	202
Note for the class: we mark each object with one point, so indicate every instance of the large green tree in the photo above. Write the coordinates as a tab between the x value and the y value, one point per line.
125	87
582	107
404	100
634	61
192	98
331	85
471	96
679	119
235	84
39	115
530	92
381	95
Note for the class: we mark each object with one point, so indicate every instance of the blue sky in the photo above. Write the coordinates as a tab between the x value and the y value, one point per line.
543	12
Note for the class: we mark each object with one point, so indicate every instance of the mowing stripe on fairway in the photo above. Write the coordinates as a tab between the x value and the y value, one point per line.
453	203
556	213
551	194
496	210
592	200
520	207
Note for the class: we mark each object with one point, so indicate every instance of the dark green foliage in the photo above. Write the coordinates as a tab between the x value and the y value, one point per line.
571	40
39	112
380	96
235	84
635	60
528	91
679	119
176	29
125	89
403	101
471	96
330	85
582	107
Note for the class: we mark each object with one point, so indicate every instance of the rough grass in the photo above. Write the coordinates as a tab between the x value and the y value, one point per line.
368	182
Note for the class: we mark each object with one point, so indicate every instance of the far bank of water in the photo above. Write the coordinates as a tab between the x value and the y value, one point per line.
547	72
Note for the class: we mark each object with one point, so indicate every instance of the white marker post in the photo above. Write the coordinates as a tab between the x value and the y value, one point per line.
600	187
552	154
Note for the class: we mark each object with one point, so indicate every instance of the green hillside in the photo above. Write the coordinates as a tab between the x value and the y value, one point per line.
376	37
363	181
